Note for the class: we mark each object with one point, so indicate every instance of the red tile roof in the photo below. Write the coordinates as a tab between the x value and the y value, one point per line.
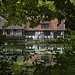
16	27
52	25
12	26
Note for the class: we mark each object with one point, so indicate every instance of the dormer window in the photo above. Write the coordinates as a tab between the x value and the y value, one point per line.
44	26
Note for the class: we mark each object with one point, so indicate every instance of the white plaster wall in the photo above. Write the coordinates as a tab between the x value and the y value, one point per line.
11	32
29	36
33	37
4	32
58	36
45	36
62	34
26	36
51	34
37	33
19	32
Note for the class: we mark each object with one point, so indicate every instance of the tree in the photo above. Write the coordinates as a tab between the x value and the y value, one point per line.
19	10
16	12
65	62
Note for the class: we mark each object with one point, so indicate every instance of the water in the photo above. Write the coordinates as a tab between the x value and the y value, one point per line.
41	52
38	49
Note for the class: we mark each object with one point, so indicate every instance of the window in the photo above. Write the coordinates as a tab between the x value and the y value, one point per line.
45	26
46	33
45	58
55	34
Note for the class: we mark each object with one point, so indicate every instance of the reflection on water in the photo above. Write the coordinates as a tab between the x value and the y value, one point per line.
38	49
38	52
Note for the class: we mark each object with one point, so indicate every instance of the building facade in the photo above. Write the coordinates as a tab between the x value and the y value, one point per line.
46	30
11	30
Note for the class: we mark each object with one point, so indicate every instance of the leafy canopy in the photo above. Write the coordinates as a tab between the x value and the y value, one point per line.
17	11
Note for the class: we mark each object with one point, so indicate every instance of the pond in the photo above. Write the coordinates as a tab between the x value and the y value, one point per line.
38	52
37	49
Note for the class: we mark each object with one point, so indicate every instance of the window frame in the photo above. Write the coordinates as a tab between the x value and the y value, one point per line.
45	26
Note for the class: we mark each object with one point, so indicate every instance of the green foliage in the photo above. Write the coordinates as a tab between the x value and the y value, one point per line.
65	62
16	35
17	11
5	66
2	39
